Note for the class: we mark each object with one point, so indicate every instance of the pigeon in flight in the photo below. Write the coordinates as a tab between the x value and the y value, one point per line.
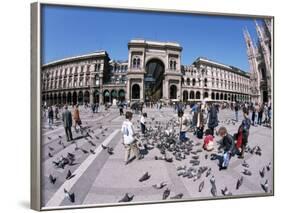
52	179
145	177
226	192
268	167
69	196
265	186
166	194
69	175
239	182
262	172
126	198
159	185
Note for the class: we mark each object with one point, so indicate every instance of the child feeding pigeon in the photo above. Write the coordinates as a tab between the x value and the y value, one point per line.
227	144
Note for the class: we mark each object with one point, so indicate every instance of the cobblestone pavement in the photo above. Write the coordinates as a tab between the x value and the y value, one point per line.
101	178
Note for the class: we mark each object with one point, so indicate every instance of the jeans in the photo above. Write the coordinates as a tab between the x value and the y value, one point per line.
183	137
142	128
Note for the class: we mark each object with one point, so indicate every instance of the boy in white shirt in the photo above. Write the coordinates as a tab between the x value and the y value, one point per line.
142	122
129	138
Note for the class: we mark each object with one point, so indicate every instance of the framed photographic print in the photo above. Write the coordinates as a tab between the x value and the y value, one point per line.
139	106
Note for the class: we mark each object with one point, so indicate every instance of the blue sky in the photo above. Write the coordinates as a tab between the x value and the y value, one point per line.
71	31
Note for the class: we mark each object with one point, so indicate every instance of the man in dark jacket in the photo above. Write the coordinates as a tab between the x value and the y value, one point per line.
213	118
67	123
228	146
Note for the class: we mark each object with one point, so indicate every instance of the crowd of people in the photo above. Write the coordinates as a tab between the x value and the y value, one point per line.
200	119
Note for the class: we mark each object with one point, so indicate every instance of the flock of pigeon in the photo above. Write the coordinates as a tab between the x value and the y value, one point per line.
70	158
164	137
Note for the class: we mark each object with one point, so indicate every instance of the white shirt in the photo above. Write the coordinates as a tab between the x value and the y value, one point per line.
128	132
142	120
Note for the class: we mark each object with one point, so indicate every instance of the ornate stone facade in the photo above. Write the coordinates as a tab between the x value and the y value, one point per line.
153	72
259	57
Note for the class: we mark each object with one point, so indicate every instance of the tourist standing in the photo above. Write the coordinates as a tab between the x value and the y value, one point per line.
183	126
67	123
199	122
260	114
243	133
129	138
76	118
121	112
213	118
143	122
50	116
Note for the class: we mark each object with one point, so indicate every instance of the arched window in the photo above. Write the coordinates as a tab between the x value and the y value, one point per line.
175	65
188	82
191	95
205	82
198	95
135	91
134	63
193	82
171	65
97	80
138	63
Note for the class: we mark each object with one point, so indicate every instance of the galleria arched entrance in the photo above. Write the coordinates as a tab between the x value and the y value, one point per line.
153	80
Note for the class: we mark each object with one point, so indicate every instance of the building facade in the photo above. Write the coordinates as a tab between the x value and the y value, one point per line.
259	57
152	72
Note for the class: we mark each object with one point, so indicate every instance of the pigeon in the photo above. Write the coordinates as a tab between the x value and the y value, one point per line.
225	192
92	151
126	198
247	172
97	138
206	156
69	196
208	172
84	151
51	148
70	156
213	180
50	155
52	179
245	164
49	138
159	185
177	196
214	190
239	182
103	146
268	166
166	194
90	142
110	151
145	177
60	136
201	186
265	186
69	175
262	172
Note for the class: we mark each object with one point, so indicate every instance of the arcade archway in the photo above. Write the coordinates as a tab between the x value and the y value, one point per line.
153	80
